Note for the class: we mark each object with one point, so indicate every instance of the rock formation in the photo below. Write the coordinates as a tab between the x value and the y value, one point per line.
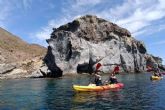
77	46
19	59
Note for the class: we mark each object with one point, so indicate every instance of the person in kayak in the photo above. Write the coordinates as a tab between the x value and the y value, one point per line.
97	80
156	71
112	78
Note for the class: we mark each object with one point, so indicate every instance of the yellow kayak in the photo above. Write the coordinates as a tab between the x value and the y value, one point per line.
97	88
156	77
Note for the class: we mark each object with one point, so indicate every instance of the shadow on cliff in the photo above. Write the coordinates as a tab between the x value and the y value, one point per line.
86	67
49	60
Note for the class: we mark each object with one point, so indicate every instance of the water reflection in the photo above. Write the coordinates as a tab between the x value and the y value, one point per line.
112	95
138	93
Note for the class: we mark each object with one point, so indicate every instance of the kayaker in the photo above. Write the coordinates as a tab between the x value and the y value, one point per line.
156	70
113	79
155	67
96	78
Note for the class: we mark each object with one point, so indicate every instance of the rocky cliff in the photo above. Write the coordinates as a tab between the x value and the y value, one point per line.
77	46
18	58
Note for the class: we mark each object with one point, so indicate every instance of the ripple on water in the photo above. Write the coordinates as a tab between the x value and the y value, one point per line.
139	93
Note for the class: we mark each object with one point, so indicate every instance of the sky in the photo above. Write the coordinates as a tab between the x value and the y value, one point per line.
33	20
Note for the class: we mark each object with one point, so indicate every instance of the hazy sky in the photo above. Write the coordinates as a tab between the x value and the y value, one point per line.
32	20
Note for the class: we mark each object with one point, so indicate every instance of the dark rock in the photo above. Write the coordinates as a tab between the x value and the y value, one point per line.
158	60
141	47
79	45
123	64
50	62
162	67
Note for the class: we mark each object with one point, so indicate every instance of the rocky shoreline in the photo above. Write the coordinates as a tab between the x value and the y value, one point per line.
23	69
77	47
18	59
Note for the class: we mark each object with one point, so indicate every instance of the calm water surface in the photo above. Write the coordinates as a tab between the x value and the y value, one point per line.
139	93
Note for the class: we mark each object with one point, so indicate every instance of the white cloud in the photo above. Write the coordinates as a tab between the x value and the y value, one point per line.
80	3
142	16
159	43
141	32
45	32
117	12
148	31
69	15
135	15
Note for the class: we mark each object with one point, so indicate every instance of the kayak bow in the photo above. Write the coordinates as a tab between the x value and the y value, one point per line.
156	77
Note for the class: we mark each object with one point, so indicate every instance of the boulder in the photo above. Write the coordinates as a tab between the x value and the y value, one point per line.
78	46
5	68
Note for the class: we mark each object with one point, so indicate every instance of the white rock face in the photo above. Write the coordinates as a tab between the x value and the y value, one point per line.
76	48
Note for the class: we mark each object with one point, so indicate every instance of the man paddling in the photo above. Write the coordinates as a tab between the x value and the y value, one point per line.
112	78
97	77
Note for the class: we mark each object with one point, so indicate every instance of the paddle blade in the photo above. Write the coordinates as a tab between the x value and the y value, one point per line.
98	66
116	69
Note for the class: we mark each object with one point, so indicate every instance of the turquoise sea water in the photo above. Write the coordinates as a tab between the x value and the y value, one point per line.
139	93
